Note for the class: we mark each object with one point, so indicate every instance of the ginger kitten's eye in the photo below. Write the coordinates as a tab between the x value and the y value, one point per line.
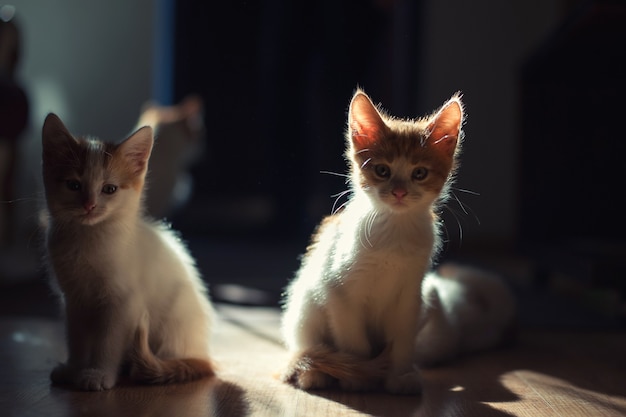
109	188
72	185
382	170
420	173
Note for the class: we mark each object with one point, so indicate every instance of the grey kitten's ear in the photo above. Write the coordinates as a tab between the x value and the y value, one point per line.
444	128
57	141
54	130
365	123
136	149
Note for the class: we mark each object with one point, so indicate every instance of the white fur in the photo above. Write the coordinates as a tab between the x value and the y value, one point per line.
466	310
115	270
359	288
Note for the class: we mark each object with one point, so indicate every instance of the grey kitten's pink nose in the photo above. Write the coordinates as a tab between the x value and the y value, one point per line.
399	193
89	205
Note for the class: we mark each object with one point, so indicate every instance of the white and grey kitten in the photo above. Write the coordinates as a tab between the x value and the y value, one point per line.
354	311
134	302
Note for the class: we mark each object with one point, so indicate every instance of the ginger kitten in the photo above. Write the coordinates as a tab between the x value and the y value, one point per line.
354	311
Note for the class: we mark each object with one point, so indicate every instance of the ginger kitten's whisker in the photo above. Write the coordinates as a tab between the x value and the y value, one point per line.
333	211
459	201
337	174
464	191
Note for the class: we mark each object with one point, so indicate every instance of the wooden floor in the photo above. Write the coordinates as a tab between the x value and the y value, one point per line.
545	374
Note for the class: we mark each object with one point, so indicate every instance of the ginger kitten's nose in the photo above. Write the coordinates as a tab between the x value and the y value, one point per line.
399	193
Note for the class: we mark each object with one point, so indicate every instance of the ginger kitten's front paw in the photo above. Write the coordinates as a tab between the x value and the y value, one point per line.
307	379
357	385
94	380
404	384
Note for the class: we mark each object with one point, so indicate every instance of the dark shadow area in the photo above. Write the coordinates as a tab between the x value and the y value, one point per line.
439	398
207	397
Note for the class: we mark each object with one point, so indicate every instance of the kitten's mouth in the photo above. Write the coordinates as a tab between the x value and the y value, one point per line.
89	218
398	204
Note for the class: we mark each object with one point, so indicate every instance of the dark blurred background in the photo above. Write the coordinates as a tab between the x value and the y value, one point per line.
538	194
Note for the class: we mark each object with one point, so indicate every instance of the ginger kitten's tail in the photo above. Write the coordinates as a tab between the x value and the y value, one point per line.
149	369
338	365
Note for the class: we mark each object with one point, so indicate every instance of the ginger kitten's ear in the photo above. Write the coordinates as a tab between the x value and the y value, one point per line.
365	123
136	149
445	125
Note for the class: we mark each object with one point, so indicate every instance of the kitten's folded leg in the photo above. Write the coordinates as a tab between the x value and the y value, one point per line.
403	377
320	366
352	339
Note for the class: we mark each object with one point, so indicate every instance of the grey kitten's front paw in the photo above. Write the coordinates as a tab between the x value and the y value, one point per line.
94	380
404	384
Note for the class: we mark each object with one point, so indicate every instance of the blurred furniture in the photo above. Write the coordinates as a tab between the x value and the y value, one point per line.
13	117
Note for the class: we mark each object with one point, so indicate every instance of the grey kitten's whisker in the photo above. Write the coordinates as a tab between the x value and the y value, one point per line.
37	197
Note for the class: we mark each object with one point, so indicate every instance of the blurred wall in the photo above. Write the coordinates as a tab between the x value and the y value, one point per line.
90	62
479	47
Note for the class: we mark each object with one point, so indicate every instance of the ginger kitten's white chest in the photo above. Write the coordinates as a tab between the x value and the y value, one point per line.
392	261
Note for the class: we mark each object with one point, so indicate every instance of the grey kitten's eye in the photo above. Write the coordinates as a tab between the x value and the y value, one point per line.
109	189
382	170
420	173
72	185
